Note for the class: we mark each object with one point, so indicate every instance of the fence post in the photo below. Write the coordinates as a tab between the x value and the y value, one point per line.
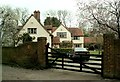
46	53
62	61
80	63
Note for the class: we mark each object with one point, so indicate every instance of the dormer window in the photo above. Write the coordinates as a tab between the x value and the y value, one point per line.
32	30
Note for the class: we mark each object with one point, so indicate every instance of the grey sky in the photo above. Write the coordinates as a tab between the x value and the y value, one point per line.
43	5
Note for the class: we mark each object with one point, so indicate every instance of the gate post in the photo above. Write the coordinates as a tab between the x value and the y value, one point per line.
41	42
117	58
108	56
46	53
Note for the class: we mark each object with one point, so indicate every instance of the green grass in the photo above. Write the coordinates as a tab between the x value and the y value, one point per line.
95	52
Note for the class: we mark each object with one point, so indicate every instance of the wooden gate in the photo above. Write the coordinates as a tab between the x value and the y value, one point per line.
60	60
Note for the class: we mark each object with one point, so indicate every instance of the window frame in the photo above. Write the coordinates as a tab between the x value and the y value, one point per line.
77	45
32	30
62	34
76	37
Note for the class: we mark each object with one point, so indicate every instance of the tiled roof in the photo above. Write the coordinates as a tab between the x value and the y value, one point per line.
73	31
76	32
56	40
89	40
49	27
53	29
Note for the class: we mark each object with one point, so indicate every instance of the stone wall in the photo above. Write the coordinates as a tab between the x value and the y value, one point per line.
111	56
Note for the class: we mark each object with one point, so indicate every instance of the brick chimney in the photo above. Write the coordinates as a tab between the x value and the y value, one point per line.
37	15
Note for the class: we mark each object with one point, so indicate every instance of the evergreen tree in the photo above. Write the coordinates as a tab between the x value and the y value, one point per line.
52	21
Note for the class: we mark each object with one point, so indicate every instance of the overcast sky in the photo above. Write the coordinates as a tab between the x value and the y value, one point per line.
42	5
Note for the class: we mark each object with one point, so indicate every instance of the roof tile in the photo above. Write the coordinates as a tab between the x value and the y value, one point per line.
76	31
56	40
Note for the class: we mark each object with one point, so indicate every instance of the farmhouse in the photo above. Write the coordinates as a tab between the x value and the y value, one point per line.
34	27
55	35
65	34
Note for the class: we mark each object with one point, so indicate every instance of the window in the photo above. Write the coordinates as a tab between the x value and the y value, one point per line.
76	38
77	45
32	30
62	34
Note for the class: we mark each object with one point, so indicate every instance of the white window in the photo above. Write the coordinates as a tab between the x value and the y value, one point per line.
76	38
62	34
32	30
77	45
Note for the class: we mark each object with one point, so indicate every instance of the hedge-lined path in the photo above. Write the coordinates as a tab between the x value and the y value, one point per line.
13	73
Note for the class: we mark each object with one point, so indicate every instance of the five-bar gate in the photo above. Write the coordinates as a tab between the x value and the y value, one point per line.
60	60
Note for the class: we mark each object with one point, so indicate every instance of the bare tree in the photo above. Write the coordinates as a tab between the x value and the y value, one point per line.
51	13
63	15
81	15
22	15
9	22
8	26
69	19
103	14
59	13
81	21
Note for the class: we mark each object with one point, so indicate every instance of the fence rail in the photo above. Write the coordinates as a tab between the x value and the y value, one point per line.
59	60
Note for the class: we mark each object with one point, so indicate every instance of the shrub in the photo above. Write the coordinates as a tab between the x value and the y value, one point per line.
65	50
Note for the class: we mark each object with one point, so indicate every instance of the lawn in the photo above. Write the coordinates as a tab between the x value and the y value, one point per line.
95	52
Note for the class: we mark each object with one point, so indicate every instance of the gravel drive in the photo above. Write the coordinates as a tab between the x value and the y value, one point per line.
13	73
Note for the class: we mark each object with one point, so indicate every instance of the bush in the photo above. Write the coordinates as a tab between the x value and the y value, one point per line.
66	44
65	50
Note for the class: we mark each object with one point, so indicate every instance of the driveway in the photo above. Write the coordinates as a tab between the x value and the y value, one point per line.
13	73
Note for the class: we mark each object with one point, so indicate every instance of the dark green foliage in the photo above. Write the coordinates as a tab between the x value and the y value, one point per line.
66	44
66	50
86	35
52	21
26	38
47	21
91	48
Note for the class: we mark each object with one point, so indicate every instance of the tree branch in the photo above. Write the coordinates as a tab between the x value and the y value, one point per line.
104	24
